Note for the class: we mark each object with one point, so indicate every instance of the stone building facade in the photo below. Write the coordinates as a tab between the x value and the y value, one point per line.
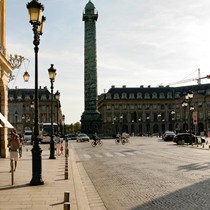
21	108
5	70
154	110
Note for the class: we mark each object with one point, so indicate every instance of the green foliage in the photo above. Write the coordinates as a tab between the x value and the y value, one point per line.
73	128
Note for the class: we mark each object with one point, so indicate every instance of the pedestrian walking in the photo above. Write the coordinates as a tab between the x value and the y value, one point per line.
14	145
58	144
61	148
21	139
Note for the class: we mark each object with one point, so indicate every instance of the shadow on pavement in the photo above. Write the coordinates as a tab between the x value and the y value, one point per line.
193	197
14	187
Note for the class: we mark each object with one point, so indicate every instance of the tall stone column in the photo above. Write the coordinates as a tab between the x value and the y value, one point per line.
91	121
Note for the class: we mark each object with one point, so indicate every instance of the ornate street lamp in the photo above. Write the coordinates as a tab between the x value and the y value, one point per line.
64	132
26	76
35	10
184	105
189	98
57	97
52	74
121	121
159	120
173	118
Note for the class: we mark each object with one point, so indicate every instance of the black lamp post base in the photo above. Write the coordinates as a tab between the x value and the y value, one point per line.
35	182
53	157
36	166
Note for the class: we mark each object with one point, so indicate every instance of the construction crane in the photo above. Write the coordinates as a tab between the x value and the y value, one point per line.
198	79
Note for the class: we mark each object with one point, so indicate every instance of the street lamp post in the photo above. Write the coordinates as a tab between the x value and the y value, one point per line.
52	74
121	119
32	117
64	126
57	97
159	120
172	118
189	98
184	105
35	10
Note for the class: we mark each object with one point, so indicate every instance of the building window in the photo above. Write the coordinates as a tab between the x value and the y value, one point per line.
208	92
200	104
124	96
154	95
43	108
169	95
147	106
19	97
162	107
116	96
147	96
109	118
124	107
131	96
139	107
154	106
108	96
116	107
162	96
139	95
131	107
27	108
27	97
43	97
108	107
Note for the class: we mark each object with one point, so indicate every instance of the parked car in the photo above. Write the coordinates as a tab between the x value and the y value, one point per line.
168	136
82	137
27	136
72	136
188	139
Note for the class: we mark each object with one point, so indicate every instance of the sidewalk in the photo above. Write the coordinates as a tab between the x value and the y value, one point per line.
48	196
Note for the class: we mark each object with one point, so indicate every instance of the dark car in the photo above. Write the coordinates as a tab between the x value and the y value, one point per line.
168	136
188	138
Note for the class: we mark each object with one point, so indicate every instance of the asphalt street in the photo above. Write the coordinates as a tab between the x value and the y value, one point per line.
146	174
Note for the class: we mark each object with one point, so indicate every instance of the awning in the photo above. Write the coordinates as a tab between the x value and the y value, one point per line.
4	122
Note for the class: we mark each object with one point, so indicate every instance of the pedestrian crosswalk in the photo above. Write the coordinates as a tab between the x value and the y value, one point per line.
112	154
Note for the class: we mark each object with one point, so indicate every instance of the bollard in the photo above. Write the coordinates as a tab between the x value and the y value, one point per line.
66	175
66	206
66	196
67	152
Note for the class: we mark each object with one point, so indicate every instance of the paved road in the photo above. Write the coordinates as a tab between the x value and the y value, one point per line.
147	174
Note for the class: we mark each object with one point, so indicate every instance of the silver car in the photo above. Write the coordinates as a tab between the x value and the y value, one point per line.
82	137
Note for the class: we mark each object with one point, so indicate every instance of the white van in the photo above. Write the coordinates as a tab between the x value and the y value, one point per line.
27	136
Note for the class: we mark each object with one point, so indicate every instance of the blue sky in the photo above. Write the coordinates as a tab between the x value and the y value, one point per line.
139	42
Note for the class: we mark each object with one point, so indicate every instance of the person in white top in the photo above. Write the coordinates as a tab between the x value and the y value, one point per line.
58	144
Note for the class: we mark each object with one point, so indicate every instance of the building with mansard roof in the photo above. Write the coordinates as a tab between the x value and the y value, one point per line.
21	108
154	110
